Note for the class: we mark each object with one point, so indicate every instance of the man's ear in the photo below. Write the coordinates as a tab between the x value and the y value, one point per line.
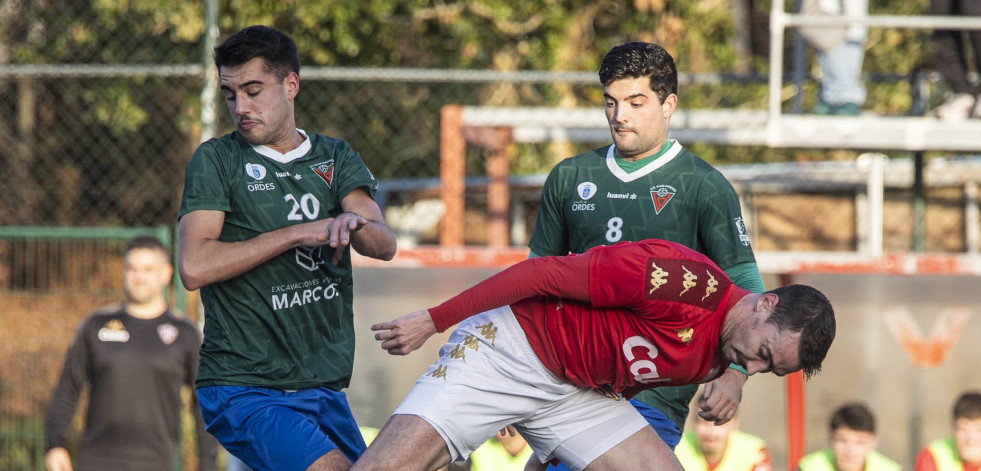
292	84
767	302
669	104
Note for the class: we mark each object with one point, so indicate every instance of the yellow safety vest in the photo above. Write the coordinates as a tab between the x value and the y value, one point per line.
824	460
742	452
945	455
492	456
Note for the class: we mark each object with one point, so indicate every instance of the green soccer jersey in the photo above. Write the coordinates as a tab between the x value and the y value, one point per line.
287	323
589	200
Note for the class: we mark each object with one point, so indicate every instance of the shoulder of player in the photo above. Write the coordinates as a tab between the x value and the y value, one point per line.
698	164
184	324
332	145
660	248
98	318
176	316
593	158
105	313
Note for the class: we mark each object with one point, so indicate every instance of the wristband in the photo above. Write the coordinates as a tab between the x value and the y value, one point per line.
739	369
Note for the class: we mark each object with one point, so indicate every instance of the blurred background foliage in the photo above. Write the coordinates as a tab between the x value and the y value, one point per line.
109	148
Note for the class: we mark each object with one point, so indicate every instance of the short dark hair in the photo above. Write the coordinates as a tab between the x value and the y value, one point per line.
147	242
639	59
855	416
276	47
968	406
806	310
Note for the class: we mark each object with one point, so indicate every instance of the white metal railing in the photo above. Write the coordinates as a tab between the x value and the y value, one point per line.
781	20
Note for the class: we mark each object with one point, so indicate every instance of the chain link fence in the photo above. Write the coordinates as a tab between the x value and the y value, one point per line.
101	108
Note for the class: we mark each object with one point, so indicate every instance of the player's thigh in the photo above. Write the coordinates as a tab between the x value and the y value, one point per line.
279	430
580	428
662	425
405	442
665	427
643	450
487	377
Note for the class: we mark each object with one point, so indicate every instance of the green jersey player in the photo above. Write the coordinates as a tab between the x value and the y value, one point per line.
646	186
268	216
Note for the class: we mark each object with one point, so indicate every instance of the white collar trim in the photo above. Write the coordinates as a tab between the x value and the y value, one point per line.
611	162
290	156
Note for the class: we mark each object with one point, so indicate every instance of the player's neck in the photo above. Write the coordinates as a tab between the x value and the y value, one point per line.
738	314
146	310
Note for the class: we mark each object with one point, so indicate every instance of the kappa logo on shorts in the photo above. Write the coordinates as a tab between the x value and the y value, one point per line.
325	170
438	372
459	353
661	195
488	331
471	342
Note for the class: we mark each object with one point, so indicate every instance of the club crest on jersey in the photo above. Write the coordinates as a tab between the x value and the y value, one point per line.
325	170
255	171
661	195
167	333
586	190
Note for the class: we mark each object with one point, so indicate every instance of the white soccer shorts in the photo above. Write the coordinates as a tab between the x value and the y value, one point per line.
488	377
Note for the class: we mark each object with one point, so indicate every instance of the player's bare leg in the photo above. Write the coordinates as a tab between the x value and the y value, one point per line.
643	450
334	460
534	465
405	442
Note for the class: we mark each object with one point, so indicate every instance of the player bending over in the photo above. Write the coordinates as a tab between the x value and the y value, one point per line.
576	336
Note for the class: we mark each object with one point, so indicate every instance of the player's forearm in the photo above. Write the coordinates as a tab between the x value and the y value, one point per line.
204	261
375	240
564	277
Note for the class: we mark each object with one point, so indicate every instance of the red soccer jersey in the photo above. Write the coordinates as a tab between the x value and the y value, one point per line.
622	318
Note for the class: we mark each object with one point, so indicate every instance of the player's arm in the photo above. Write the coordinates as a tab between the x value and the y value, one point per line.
64	401
367	232
550	236
565	277
747	276
204	259
722	396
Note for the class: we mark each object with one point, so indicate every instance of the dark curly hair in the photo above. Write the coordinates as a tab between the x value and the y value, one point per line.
274	46
805	310
640	59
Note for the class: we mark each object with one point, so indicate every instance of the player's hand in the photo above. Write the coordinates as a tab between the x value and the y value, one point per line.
721	397
509	430
57	459
338	233
405	334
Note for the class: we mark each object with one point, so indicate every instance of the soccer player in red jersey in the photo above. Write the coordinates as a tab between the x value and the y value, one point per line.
576	335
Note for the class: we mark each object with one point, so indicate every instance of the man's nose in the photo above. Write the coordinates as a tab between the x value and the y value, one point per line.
241	106
619	114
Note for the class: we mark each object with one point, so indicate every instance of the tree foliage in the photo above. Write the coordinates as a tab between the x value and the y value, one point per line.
395	125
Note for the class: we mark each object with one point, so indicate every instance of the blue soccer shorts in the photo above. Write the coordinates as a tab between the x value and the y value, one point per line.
665	428
272	429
